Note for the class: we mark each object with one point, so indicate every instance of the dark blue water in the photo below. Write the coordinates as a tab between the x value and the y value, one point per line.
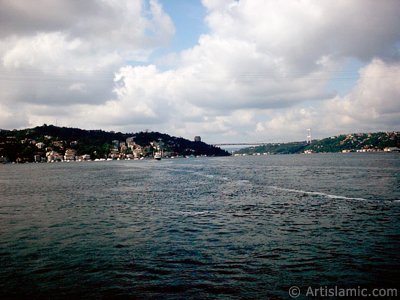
207	228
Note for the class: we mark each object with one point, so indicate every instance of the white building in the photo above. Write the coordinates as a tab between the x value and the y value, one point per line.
40	145
391	149
70	154
53	156
85	157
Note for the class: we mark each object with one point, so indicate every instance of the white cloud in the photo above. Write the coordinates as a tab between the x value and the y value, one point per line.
266	60
260	73
375	100
70	51
372	105
123	25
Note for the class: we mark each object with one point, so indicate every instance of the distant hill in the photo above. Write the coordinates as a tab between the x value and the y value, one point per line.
349	142
23	145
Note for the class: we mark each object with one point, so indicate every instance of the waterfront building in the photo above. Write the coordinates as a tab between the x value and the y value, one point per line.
70	154
391	149
347	151
84	157
53	156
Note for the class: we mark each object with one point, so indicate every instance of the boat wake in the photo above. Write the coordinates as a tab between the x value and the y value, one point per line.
297	191
330	196
318	194
199	173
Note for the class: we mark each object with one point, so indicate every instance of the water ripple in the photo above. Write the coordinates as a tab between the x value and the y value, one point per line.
218	228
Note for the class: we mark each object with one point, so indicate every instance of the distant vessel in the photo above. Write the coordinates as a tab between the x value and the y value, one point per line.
157	155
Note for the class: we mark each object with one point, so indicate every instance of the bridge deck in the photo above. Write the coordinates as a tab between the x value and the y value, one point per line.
240	144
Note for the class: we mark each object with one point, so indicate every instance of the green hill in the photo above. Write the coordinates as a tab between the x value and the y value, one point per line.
350	142
23	145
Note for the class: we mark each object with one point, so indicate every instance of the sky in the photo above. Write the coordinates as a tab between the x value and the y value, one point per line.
226	70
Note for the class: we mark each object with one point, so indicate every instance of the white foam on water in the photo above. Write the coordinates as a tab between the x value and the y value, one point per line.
244	182
318	193
199	173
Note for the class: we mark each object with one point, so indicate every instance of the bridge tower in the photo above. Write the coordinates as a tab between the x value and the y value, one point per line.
309	138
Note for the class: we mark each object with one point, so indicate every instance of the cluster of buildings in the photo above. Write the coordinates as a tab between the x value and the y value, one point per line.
120	150
31	146
363	142
69	155
386	149
127	149
391	149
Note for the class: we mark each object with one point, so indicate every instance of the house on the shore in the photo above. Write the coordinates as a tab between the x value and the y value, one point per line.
70	154
391	149
53	156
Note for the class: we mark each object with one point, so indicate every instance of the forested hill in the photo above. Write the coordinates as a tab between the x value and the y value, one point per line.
364	142
24	144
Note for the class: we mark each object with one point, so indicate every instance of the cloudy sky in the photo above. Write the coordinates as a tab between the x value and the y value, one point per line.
229	71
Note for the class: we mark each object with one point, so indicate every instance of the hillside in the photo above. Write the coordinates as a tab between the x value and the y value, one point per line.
34	143
365	142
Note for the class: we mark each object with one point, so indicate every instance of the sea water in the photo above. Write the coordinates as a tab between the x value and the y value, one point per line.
199	228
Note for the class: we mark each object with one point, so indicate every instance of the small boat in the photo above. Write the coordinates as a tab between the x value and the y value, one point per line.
157	155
